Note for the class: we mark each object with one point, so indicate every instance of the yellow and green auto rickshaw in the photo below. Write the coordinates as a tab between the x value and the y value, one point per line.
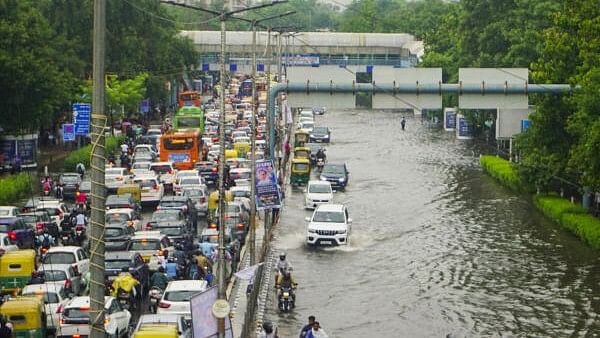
157	331
300	138
15	270
133	189
242	148
302	152
300	171
27	316
231	153
213	202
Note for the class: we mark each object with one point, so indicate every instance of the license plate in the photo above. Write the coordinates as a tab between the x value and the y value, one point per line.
65	238
326	242
79	232
318	140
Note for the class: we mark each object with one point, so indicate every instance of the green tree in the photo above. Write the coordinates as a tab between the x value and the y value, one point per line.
33	82
128	92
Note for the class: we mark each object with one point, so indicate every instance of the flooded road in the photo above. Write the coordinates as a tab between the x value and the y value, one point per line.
437	247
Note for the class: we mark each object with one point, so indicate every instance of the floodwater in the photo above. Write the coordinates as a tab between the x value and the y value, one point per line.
437	248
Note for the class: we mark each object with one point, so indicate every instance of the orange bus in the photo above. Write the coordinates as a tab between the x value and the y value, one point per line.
182	147
188	98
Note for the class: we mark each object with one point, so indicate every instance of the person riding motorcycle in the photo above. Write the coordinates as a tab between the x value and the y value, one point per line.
47	185
81	200
203	264
282	265
286	280
159	279
80	168
126	282
44	241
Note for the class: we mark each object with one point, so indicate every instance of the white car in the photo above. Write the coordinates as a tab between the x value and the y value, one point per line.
149	320
140	166
307	113
188	182
241	139
73	255
165	172
306	126
316	193
123	216
181	174
54	297
150	245
75	318
145	148
154	131
119	173
152	190
306	119
177	295
329	225
241	176
238	133
6	245
64	275
9	211
199	196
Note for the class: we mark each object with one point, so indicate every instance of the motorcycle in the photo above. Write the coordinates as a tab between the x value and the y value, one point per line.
66	237
320	163
79	235
155	295
286	299
125	299
58	191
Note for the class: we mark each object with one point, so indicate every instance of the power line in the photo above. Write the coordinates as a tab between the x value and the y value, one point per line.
156	16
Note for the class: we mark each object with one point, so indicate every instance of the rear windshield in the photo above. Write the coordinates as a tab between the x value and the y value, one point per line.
117	218
190	180
3	227
51	211
76	313
113	232
161	169
144	244
319	188
172	204
113	172
116	264
59	258
180	296
146	183
5	212
166	216
54	275
170	231
30	218
49	297
70	179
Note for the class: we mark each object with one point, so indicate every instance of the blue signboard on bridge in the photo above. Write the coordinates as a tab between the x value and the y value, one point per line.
81	118
68	132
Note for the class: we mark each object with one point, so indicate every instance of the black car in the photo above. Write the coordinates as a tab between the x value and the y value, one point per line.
336	174
18	232
70	183
182	203
40	220
117	236
122	201
115	261
209	171
320	135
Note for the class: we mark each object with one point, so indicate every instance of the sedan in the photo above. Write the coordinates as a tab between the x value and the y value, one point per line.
336	174
320	135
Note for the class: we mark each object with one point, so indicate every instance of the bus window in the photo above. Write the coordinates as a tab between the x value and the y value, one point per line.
188	122
178	143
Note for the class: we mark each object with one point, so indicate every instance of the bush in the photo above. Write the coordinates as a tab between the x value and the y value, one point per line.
503	171
554	207
14	187
585	226
83	155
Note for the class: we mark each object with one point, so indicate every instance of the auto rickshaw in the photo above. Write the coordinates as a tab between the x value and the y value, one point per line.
157	331
302	152
133	189
213	202
242	148
15	270
300	138
27	316
300	171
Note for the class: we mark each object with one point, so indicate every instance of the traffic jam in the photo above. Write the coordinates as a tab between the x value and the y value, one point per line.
161	225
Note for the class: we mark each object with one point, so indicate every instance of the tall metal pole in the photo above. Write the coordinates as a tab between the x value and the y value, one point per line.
252	234
97	164
221	272
279	61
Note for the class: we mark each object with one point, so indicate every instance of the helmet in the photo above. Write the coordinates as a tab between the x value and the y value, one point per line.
287	274
267	326
282	255
161	269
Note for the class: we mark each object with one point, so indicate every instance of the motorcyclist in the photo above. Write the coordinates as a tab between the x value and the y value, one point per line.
80	220
124	149
81	199
47	185
321	154
45	240
203	263
159	279
286	280
282	265
80	168
267	330
126	282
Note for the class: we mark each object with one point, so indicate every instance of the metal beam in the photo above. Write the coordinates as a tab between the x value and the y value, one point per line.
417	88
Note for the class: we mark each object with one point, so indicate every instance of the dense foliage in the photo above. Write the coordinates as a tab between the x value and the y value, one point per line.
14	187
502	170
83	155
46	54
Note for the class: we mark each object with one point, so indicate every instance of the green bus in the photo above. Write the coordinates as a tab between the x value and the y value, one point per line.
189	117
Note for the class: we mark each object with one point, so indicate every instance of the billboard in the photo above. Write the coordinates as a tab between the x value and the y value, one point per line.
267	190
449	119
464	131
303	60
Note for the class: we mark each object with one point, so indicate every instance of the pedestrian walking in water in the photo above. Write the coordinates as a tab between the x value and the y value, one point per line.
403	122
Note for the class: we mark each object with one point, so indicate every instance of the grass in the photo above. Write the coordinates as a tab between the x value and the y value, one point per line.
83	155
555	207
503	171
14	187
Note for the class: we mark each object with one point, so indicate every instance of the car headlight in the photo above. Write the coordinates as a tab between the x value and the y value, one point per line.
312	231
323	178
326	136
341	231
342	179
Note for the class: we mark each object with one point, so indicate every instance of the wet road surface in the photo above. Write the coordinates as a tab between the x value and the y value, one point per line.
437	248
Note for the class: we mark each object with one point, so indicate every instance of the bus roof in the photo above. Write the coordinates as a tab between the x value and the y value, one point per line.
183	132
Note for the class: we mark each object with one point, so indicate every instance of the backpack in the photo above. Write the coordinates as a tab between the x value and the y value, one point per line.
46	241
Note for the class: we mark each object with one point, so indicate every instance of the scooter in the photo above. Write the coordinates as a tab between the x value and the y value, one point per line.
320	164
155	295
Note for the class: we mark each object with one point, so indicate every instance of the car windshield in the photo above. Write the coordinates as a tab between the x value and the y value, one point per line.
319	188
113	172
113	232
54	275
161	169
145	244
190	181
117	218
233	208
329	216
49	297
146	183
59	258
333	169
30	218
319	130
180	296
194	193
70	179
51	211
162	216
77	312
142	150
5	212
172	204
170	231
116	264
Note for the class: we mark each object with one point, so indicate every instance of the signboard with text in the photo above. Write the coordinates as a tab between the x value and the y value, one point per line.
267	190
68	132
81	118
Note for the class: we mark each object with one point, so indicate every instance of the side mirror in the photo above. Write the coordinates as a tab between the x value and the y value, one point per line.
307	219
304	191
349	220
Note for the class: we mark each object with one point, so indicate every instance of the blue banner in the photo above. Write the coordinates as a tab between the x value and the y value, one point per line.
233	67
260	67
205	67
464	129
68	132
267	190
450	120
81	118
145	106
524	125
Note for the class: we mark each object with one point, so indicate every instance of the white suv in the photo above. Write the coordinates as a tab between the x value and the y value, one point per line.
75	318
329	225
316	193
177	295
